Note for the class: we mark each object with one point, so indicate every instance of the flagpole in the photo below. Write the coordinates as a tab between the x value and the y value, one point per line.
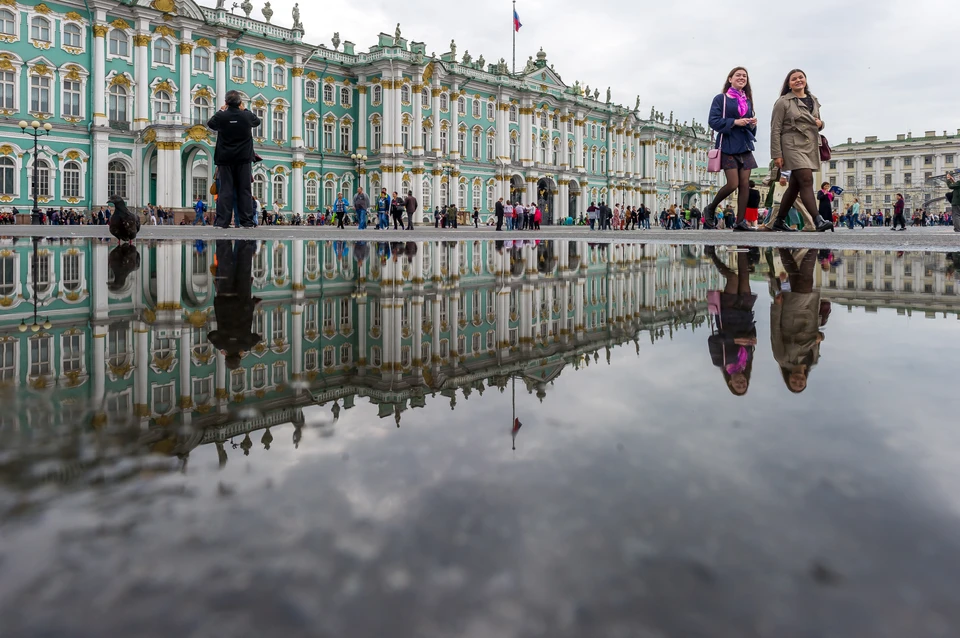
513	27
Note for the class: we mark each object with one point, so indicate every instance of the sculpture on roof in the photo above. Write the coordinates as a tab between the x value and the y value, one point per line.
671	117
636	107
481	62
596	94
220	4
453	48
530	66
247	7
335	40
296	16
466	58
653	113
396	34
267	11
608	95
588	91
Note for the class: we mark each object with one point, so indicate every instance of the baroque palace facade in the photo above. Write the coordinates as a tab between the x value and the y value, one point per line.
129	87
335	325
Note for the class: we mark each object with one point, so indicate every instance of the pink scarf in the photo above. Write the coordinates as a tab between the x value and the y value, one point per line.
741	364
741	99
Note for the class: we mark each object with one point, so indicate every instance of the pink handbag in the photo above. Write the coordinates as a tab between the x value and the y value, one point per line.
713	155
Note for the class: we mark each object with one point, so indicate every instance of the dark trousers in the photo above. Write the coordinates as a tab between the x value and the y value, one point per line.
499	222
898	219
234	190
398	220
340	217
409	221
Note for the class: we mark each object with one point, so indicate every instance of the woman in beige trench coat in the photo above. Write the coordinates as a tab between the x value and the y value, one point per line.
795	320
795	145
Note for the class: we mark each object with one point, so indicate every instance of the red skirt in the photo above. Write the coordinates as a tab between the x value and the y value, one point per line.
751	215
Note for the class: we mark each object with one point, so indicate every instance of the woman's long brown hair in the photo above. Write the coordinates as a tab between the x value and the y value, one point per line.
746	89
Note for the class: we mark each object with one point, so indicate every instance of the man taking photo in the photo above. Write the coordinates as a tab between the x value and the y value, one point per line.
234	157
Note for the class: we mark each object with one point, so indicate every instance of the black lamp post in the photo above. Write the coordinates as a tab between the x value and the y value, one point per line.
37	131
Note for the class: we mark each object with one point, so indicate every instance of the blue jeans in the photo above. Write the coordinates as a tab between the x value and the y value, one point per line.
592	222
200	218
361	219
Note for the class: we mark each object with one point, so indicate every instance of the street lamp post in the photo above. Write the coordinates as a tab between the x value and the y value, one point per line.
360	161
37	131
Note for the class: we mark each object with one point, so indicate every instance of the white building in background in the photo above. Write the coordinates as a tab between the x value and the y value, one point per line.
876	170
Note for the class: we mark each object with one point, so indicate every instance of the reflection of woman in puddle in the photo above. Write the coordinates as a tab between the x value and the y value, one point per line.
795	319
733	345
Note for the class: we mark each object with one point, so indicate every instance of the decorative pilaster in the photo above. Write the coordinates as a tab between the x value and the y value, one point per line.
221	70
142	79
98	80
362	122
296	111
297	185
454	123
416	135
186	50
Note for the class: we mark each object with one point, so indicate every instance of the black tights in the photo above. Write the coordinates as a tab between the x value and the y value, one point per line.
737	180
801	183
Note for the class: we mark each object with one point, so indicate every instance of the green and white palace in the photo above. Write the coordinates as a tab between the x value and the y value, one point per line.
129	86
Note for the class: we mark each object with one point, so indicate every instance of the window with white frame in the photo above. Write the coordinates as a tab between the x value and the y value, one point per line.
201	59
8	361
279	372
258	376
461	106
426	195
279	77
328	93
261	114
260	187
279	119
462	142
71	179
346	136
71	272
237	69
40	352
71	98
328	189
278	324
310	134
238	380
7	89
7	173
376	137
278	189
71	353
477	202
310	90
346	352
8	276
201	109
405	135
345	97
39	94
491	196
117	104
476	154
117	179
328	354
162	102
490	151
462	196
259	72
312	190
514	147
310	360
405	93
40	29
443	141
8	22
491	110
162	51
444	102
201	390
72	36
376	360
513	113
425	98
43	178
477	108
118	43
328	136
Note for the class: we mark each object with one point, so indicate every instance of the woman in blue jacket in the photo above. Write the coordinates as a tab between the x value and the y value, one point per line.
733	118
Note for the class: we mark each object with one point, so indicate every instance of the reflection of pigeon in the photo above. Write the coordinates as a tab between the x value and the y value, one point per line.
124	225
123	260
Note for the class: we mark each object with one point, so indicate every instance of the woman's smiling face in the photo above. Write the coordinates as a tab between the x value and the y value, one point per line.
739	79
798	81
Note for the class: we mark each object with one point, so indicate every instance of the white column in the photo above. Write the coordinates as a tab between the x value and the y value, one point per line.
297	185
98	81
386	85
416	135
221	56
142	356
185	362
397	121
435	110
101	155
526	131
99	365
296	111
141	79
296	340
362	122
437	173
417	330
418	194
435	348
454	122
186	49
578	124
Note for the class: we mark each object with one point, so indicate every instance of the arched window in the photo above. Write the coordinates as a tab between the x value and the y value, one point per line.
543	150
117	108
201	109
311	191
476	156
43	178
543	120
491	196
71	179
310	90
328	93
279	122
405	93
310	133
425	98
461	105
426	196
405	135
377	95
556	121
279	77
444	199
556	151
72	36
259	72
7	22
462	196
278	189
117	179
476	196
513	112
603	163
346	137
7	172
443	141
162	51
462	142
345	97
260	188
40	29
328	191
593	160
237	69
477	106
491	139
444	102
513	148
162	102
201	59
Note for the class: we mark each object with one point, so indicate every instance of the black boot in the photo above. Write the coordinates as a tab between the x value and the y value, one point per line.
743	226
781	225
822	225
709	217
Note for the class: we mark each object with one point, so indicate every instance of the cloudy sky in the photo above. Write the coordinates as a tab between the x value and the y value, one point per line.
878	67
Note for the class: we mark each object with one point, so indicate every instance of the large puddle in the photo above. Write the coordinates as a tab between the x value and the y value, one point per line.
321	438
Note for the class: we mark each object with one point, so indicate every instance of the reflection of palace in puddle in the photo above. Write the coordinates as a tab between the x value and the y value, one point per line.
907	282
393	329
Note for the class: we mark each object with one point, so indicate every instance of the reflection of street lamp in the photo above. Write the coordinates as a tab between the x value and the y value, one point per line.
35	326
35	133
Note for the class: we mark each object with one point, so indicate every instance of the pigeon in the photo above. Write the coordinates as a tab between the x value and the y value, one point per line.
122	260
124	225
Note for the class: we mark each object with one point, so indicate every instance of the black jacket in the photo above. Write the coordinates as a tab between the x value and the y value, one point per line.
499	209
234	129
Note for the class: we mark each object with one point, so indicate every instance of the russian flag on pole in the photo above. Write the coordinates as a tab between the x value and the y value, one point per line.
516	21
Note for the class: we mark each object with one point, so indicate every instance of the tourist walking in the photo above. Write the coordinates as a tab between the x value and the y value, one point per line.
234	158
383	209
795	146
898	214
795	319
954	198
340	209
499	211
733	343
361	203
411	204
396	210
199	208
825	202
733	117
